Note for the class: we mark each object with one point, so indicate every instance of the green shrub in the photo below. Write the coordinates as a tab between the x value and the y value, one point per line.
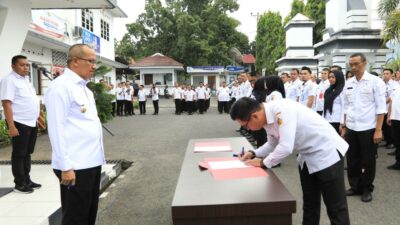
4	138
135	104
103	101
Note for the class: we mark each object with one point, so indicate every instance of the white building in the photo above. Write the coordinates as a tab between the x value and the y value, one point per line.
45	35
352	26
158	69
299	45
211	75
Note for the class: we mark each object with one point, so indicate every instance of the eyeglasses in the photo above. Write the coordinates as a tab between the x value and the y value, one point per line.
91	61
247	123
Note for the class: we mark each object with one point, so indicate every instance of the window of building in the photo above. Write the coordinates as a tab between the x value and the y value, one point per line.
148	79
87	19
105	30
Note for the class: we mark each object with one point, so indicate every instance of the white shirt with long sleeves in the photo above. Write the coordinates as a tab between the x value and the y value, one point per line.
154	94
363	101
24	102
141	95
223	94
309	89
294	90
319	98
177	93
337	115
190	95
120	93
395	97
275	95
128	93
292	126
201	92
74	128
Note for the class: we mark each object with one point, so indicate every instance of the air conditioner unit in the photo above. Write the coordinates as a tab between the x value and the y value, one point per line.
77	32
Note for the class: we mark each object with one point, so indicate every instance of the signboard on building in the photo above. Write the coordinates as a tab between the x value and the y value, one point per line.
205	69
47	23
237	69
91	40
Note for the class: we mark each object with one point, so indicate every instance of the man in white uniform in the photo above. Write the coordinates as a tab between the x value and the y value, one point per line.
309	89
364	108
21	111
322	86
76	137
292	126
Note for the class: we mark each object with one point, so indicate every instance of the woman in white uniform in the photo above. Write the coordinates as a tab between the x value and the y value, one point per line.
333	101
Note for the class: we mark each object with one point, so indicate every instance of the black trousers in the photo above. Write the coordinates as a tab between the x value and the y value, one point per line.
128	108
396	140
233	100
207	104
22	148
113	108
361	159
223	106
387	132
120	107
190	106
79	203
178	106
155	105
201	105
183	105
329	183
142	107
336	126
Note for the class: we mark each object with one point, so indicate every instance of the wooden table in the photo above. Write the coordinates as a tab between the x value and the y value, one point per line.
201	200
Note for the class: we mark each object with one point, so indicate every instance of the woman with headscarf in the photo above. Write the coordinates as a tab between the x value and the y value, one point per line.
334	100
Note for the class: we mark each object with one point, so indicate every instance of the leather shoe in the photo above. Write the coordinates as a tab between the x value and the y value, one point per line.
366	196
351	192
395	166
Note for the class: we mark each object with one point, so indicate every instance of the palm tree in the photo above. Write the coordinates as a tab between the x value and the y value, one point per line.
390	12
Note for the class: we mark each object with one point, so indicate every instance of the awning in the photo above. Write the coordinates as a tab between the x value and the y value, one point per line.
73	4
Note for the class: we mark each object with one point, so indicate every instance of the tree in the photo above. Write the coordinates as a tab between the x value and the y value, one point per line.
297	7
390	13
192	32
270	41
315	10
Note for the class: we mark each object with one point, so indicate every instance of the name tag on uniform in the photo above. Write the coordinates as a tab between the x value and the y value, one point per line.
349	88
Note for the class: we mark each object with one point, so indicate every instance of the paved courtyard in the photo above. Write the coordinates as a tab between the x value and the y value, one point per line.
156	145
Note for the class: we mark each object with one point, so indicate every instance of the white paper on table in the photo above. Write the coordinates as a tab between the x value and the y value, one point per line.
213	149
233	164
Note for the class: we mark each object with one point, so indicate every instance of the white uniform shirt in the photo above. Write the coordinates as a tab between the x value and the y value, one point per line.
74	128
120	93
128	93
337	115
113	92
190	95
154	94
24	102
294	90
390	86
234	92
223	94
292	126
177	93
395	114
141	95
244	90
201	92
363	101
286	85
319	98
275	95
309	89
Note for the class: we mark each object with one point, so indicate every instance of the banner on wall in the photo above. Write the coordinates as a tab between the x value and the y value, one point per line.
49	24
91	40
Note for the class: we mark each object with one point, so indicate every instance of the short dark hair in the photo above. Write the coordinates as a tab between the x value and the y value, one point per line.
359	54
15	59
388	69
243	108
337	67
285	74
295	69
306	68
326	69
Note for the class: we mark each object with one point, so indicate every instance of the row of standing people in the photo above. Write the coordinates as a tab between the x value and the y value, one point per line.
190	99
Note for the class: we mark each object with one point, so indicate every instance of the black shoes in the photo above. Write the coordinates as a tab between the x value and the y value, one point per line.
395	166
34	185
366	196
24	189
351	192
